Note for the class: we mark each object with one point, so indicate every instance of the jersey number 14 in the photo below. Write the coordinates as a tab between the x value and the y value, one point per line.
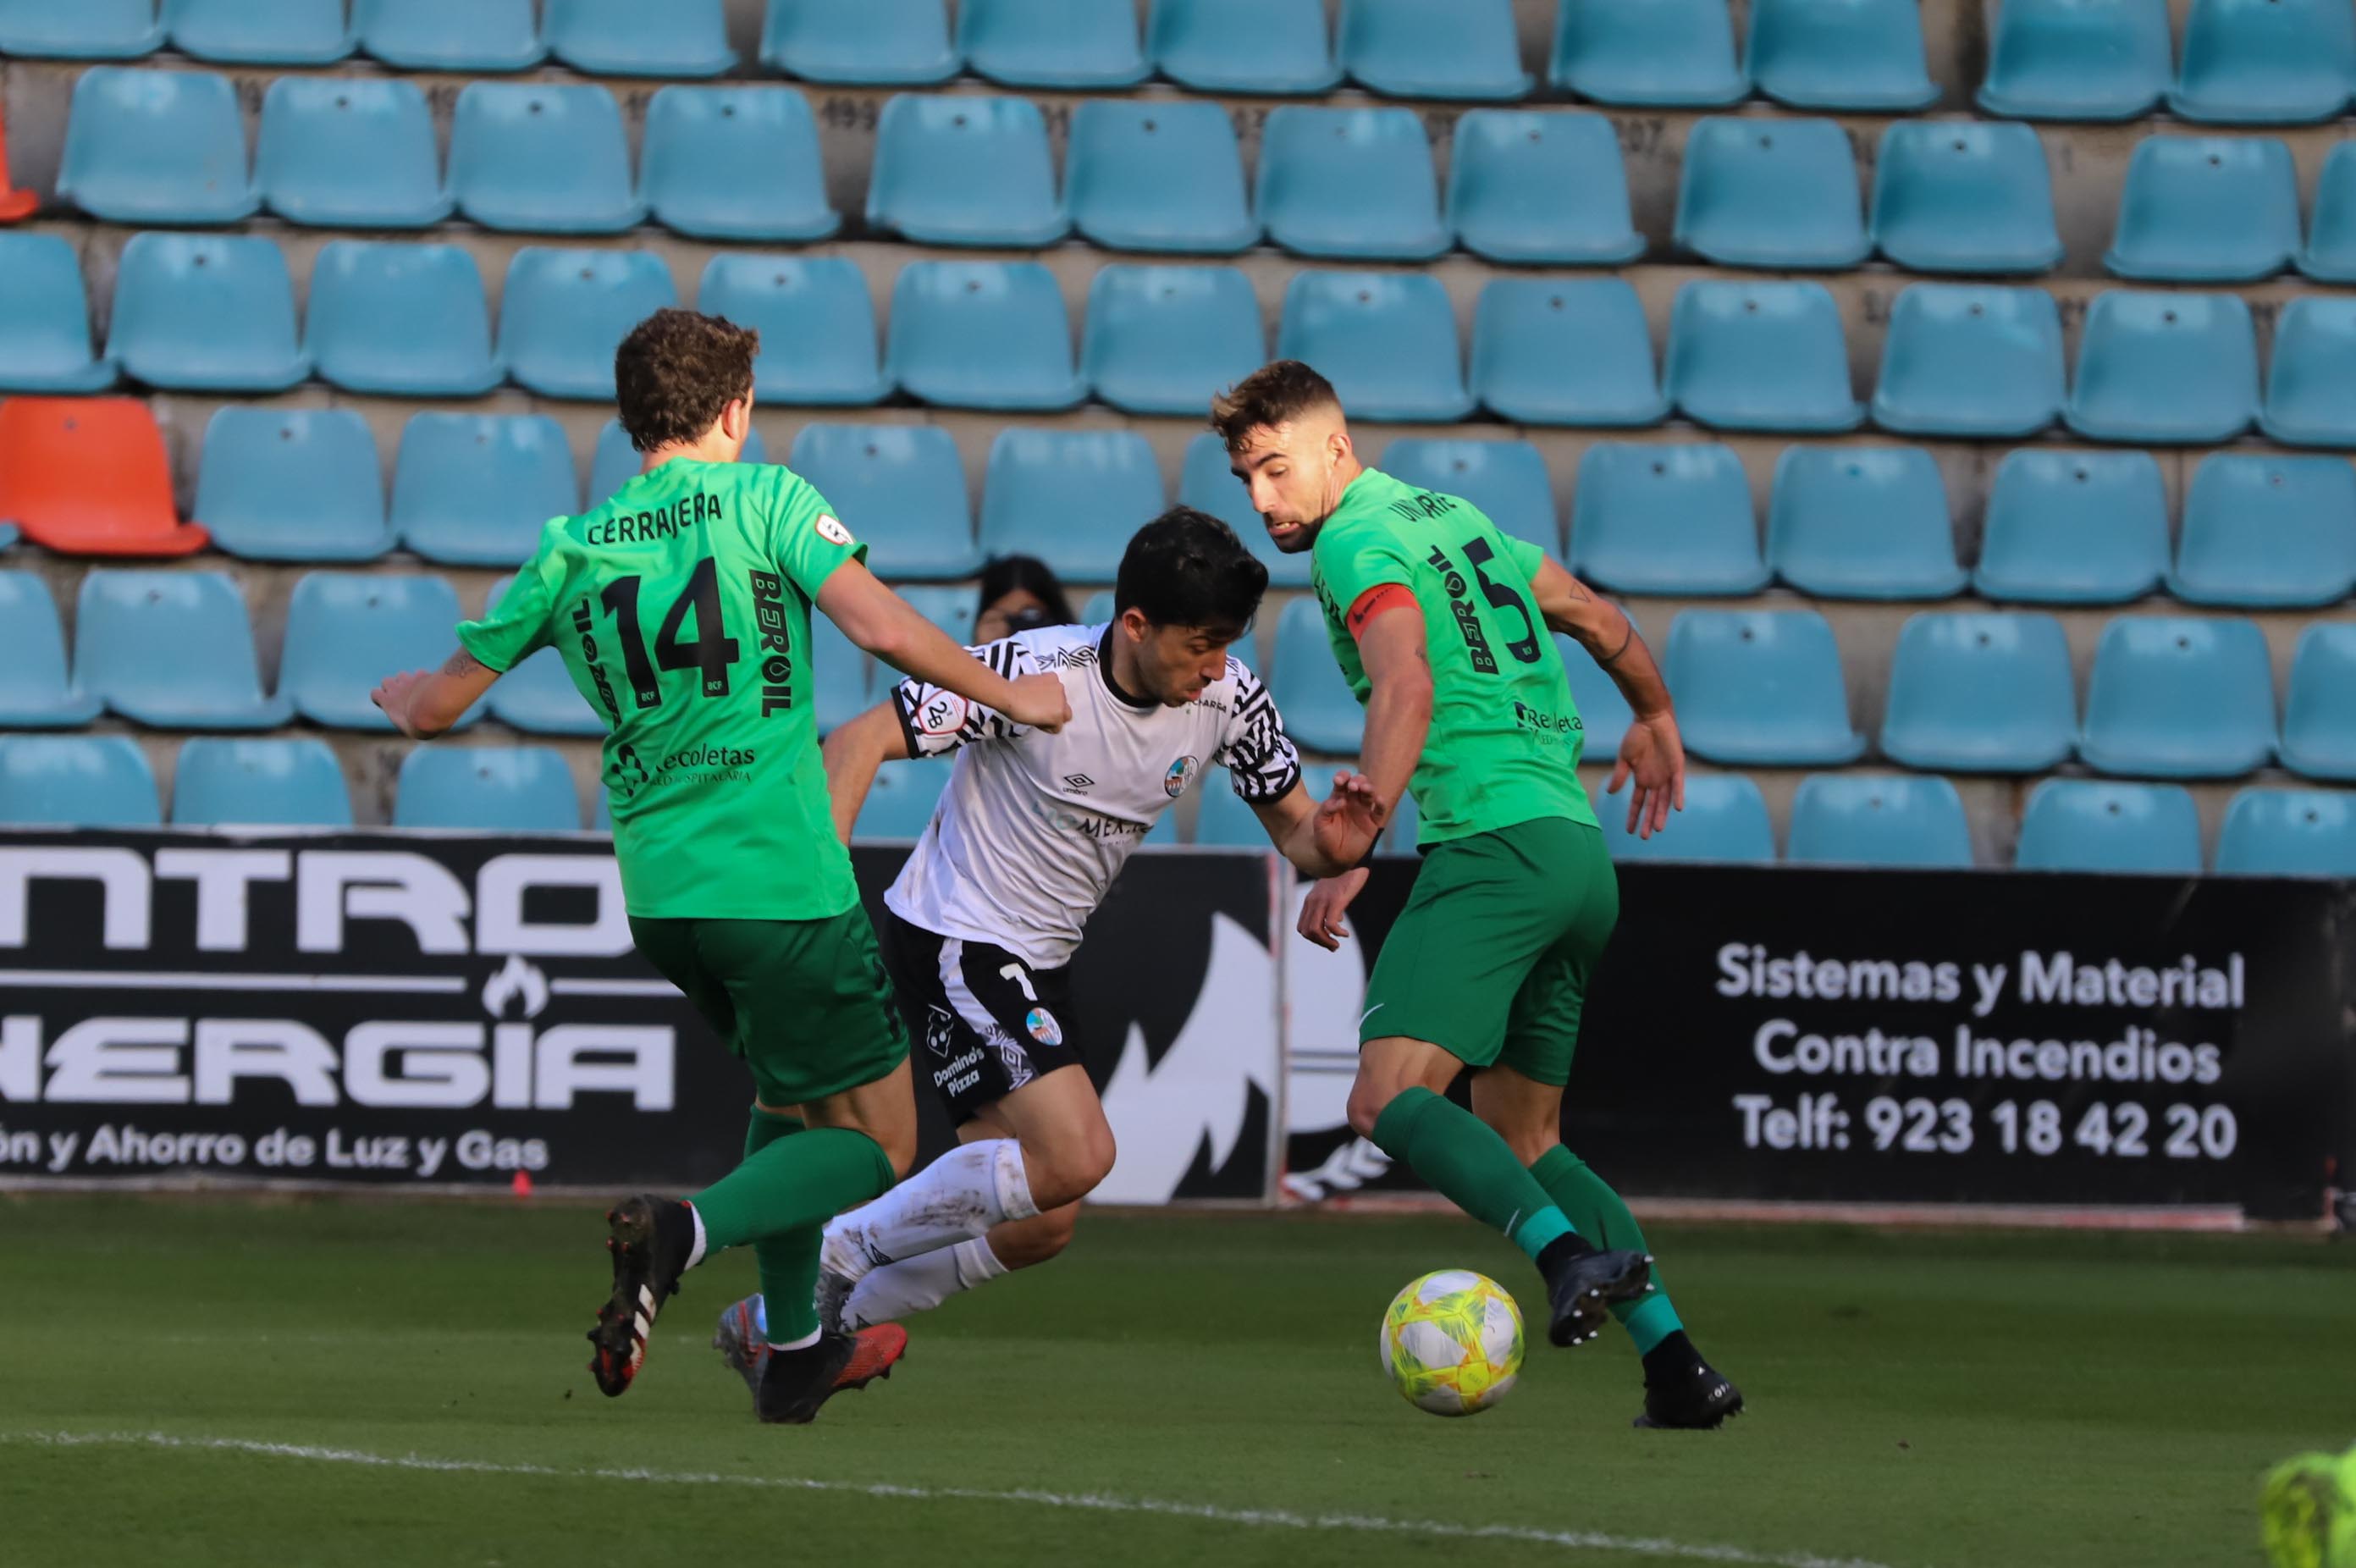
710	654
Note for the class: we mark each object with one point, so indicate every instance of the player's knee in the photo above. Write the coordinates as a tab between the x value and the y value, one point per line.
1068	1172
1027	1243
1368	1098
1529	1144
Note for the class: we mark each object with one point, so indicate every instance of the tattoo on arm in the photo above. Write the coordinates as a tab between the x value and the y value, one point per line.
463	663
1627	640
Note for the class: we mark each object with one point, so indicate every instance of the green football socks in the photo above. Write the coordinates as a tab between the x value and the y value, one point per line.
789	1263
1464	1159
1600	1215
792	1181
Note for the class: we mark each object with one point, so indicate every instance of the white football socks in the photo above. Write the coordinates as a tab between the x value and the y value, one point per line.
920	1284
958	1196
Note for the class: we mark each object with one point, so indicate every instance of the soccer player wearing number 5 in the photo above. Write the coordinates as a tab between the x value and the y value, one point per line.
681	609
1440	622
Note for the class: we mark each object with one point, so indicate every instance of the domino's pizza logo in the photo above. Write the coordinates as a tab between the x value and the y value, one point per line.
1181	774
1042	1027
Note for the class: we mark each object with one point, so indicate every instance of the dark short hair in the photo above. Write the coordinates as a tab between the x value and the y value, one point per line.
675	372
1187	568
1276	393
1003	575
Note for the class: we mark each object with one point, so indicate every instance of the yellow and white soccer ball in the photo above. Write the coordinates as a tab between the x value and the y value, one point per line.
1453	1342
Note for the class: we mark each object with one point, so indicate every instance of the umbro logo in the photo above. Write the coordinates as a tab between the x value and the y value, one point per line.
1079	781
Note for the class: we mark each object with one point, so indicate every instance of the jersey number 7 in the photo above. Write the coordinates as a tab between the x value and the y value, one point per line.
710	654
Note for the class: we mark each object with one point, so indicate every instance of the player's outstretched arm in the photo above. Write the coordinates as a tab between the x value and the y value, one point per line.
854	752
1652	753
884	623
1391	646
423	704
1324	838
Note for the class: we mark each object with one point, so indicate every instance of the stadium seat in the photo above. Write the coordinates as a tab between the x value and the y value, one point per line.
2319	738
2091	825
541	159
1320	712
1860	56
1670	520
1073	45
1571	352
2175	697
1971	361
951	608
965	171
1725	820
88	30
45	320
1603	713
1648	54
1385	340
2265	63
401	320
343	152
1433	49
38	693
1889	821
258	783
459	36
736	163
347	630
297	484
816	321
76	781
1242	46
900	489
563	310
1505	481
538	697
2206	209
1168	340
1549	188
1951	196
2310	397
487	789
1976	693
2330	253
1760	687
624	38
1770	193
1862	522
614	462
2165	368
1207	483
89	476
1070	496
472	489
155	146
2074	528
981	335
839	676
1760	356
172	649
2290	832
2078	59
259	32
2267	532
206	312
1158	176
1225	821
1353	183
877	43
899	804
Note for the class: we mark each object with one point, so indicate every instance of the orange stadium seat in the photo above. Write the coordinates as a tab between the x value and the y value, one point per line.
89	476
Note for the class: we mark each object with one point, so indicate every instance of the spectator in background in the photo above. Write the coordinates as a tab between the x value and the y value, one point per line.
1018	593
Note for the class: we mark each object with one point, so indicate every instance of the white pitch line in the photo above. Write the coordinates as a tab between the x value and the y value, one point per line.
1096	1502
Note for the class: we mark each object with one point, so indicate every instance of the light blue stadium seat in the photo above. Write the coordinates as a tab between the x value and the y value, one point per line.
1861	56
1242	46
2288	832
1725	820
816	321
1385	340
1954	195
2157	368
88	30
900	489
1168	340
2330	253
1603	713
1565	351
1070	496
1780	194
1225	821
899	804
155	146
541	159
2267	532
1098	608
347	630
614	462
981	335
1760	687
736	163
37	695
1433	49
1158	176
952	609
1977	693
1207	483
260	32
562	311
2094	825
344	152
1970	359
472	489
1072	44
1352	183
292	484
460	35
1319	711
537	696
258	783
172	649
487	789
877	43
1645	54
401	320
1862	522
1891	820
965	171
2206	209
2080	528
45	320
209	311
842	685
76	781
2319	738
2175	697
1505	481
2310	396
1546	188
1760	356
625	38
1669	519
2265	63
2078	59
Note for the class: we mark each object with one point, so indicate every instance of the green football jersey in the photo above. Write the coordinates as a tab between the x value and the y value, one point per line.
1505	735
682	611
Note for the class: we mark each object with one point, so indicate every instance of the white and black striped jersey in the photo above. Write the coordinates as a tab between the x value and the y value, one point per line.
1034	827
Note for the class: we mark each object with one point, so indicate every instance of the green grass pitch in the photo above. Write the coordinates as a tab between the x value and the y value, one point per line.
1188	1389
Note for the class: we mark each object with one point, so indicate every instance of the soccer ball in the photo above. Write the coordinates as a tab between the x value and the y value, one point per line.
1451	1342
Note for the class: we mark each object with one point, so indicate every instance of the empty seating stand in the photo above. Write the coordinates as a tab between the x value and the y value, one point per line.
1891	821
155	146
2085	528
258	783
401	320
173	650
2077	59
1760	687
1243	46
1158	176
347	631
562	311
45	345
1070	45
2267	532
1955	196
734	162
1549	188
878	43
2152	672
2165	368
1968	360
1072	498
486	789
1505	481
981	335
1778	194
2094	825
900	489
965	171
1760	356
1860	55
1976	693
816	321
260	32
93	29
625	37
206	312
459	36
1725	820
2319	738
2206	209
39	693
1167	340
2269	62
89	476
295	484
1648	54
1350	183
1385	340
2288	832
476	489
1670	520
76	781
1433	49
543	158
343	152
1565	351
1855	522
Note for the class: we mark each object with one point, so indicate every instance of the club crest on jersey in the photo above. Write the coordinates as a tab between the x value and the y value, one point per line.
942	714
832	532
1181	774
1042	1027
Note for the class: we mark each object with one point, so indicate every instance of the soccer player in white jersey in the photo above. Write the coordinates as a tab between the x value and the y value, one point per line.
987	913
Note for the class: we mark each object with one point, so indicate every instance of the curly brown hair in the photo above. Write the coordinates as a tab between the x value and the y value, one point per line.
675	372
1276	393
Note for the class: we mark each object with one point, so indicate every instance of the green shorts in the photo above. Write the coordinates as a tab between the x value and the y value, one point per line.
805	1003
1490	958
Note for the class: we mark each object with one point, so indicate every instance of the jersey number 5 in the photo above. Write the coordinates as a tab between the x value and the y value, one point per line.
1501	598
710	654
